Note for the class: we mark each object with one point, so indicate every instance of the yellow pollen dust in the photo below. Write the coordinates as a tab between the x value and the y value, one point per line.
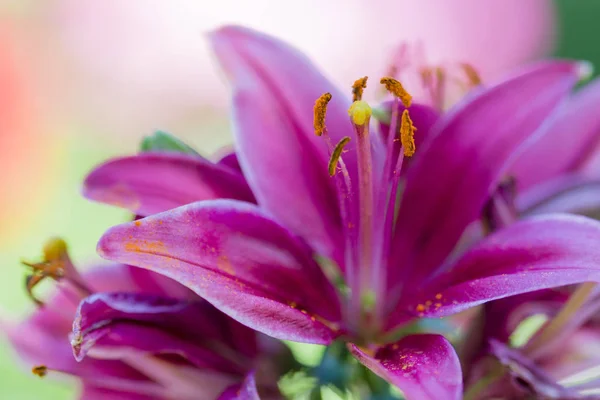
360	112
320	110
358	88
407	134
395	88
336	154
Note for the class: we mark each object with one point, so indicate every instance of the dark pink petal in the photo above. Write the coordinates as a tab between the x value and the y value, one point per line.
539	253
230	160
424	367
285	163
566	144
101	314
453	172
244	391
240	260
149	183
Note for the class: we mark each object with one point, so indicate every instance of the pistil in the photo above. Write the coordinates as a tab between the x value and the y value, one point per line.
360	115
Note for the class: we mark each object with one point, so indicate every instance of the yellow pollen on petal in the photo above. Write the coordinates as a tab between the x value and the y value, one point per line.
336	154
320	110
358	88
360	112
407	134
40	370
395	88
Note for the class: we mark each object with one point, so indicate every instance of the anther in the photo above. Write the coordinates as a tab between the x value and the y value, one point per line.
472	74
395	88
40	370
360	112
407	134
358	88
336	154
320	110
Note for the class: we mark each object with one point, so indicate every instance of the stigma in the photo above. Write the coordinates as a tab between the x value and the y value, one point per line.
360	113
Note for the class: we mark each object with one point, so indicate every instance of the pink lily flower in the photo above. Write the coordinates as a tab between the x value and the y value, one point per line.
133	334
328	213
558	360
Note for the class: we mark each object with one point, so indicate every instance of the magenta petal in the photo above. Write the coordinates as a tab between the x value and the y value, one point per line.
567	193
149	183
424	367
539	253
275	88
240	260
451	175
244	391
566	144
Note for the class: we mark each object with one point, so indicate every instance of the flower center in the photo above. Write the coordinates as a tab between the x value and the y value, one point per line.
369	205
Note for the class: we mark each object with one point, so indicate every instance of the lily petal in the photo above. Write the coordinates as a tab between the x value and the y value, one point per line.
465	156
568	193
538	253
275	88
240	260
245	391
149	183
424	367
566	144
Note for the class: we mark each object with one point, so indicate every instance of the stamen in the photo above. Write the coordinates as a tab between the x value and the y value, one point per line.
472	74
336	154
358	87
407	134
320	110
56	265
360	112
40	370
395	87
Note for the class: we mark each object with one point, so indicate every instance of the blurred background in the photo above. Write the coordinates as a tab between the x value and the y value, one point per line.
84	80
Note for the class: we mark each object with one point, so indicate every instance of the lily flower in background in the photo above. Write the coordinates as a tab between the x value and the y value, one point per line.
540	344
133	334
349	242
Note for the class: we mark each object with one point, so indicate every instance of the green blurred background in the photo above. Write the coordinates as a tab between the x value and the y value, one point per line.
43	171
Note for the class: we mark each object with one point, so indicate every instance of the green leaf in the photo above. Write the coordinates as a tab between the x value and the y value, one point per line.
163	141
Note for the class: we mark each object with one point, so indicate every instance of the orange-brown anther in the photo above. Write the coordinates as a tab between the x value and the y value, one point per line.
472	74
395	88
358	88
407	134
40	370
336	154
52	266
320	110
